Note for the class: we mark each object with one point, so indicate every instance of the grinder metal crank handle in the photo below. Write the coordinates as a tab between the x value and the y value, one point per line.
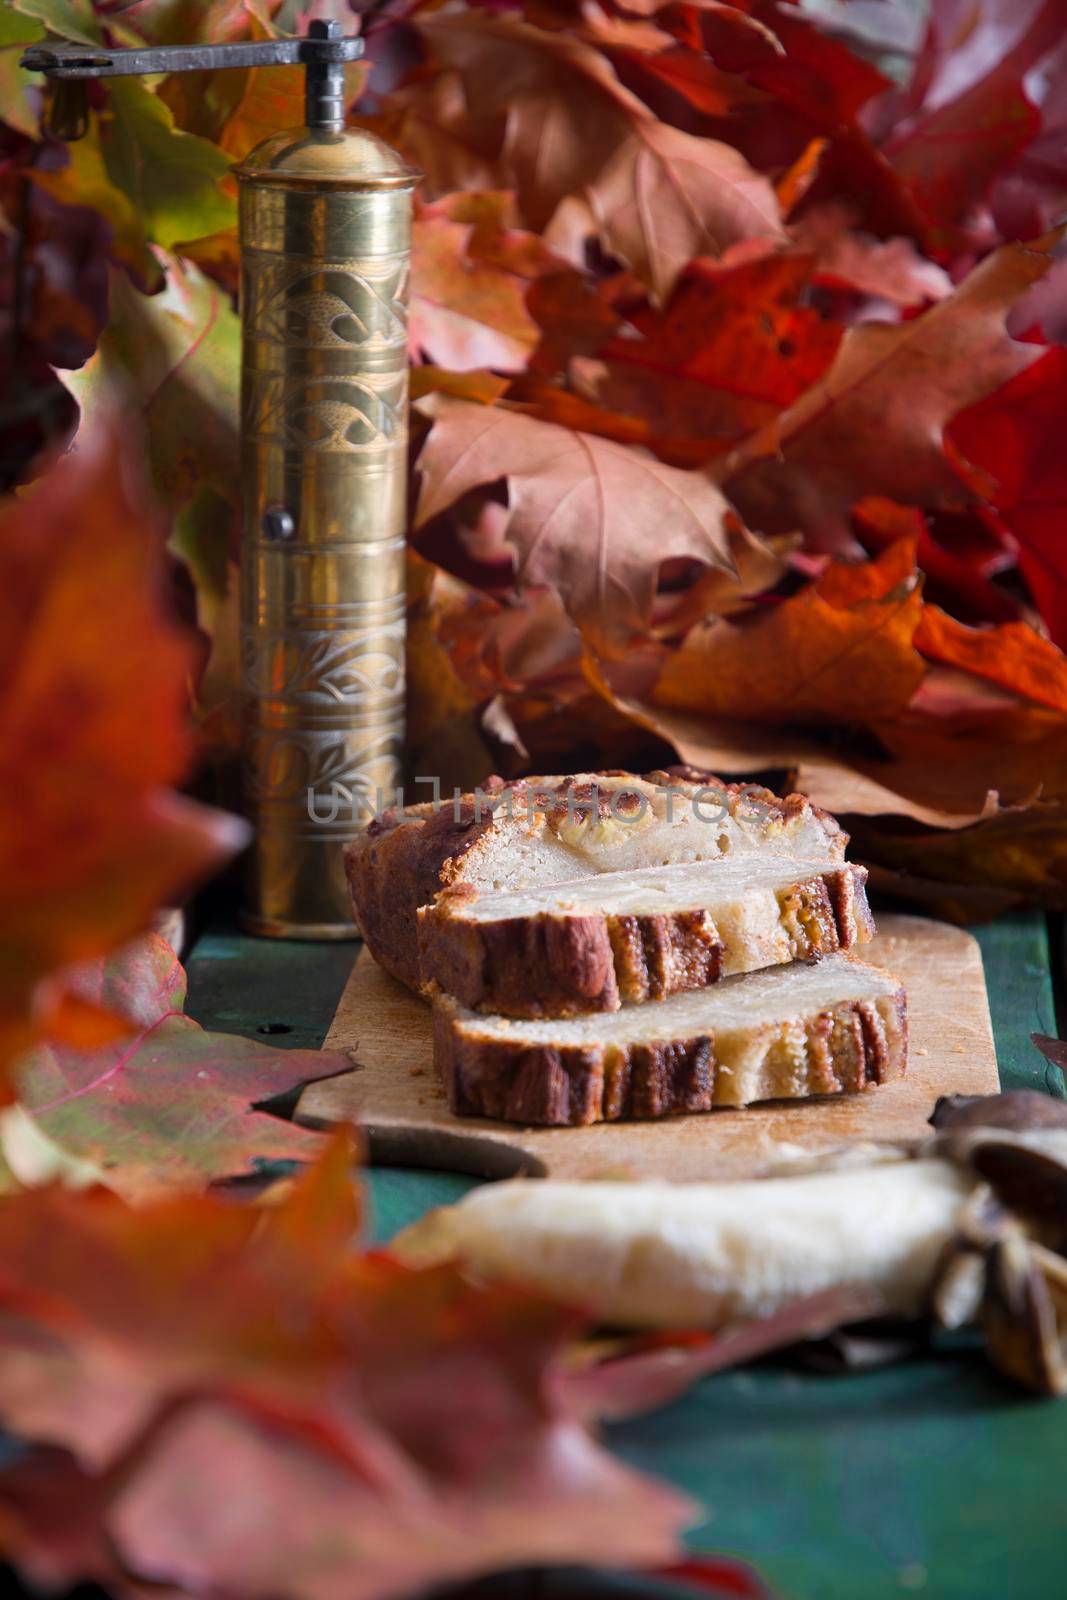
323	52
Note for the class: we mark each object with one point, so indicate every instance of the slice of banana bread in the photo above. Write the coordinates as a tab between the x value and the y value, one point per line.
789	1032
544	831
622	937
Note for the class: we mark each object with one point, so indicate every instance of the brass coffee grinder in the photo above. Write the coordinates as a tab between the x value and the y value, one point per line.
325	239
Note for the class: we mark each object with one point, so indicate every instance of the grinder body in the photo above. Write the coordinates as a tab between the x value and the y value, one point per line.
325	229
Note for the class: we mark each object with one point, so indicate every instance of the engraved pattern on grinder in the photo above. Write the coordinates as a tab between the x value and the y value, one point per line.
365	411
332	306
296	769
332	667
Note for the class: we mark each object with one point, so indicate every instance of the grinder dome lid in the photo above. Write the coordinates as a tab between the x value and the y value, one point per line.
350	158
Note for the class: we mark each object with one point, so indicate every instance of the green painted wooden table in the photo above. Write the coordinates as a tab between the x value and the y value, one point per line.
933	1477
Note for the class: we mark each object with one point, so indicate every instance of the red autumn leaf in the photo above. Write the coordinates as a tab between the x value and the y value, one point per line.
846	583
874	424
255	1409
50	1519
1028	198
1015	441
142	983
1012	655
733	346
954	579
854	174
172	1106
715	43
968	109
949	158
299	1515
589	110
814	75
580	509
732	36
91	731
598	26
577	409
651	1371
186	1291
819	86
575	315
677	75
655	197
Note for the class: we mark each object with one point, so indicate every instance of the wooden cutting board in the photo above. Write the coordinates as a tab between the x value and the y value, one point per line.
394	1097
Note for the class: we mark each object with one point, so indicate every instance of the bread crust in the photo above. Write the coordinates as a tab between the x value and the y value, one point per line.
393	868
555	964
402	862
844	1049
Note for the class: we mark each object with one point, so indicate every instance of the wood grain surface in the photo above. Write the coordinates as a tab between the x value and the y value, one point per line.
395	1098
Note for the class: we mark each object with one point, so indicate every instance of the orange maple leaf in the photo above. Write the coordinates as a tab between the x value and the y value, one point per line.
842	649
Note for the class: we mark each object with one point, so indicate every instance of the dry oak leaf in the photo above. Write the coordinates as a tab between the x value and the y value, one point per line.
256	1409
831	652
1014	856
736	24
815	75
951	156
173	1106
482	387
588	518
92	730
952	749
687	74
874	424
553	116
886	269
446	680
576	314
470	270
